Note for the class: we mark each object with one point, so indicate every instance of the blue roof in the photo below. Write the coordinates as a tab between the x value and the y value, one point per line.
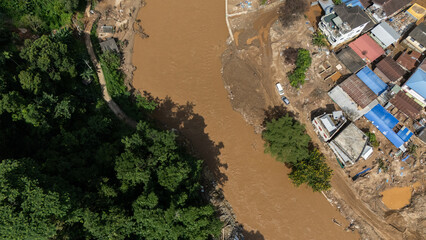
405	134
353	3
372	80
417	82
384	121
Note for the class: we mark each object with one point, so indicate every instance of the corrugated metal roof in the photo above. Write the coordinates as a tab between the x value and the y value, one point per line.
405	134
419	33
350	59
406	105
366	48
417	81
409	60
390	69
385	34
358	91
385	122
372	80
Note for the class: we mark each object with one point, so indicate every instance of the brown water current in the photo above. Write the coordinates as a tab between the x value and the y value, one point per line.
182	60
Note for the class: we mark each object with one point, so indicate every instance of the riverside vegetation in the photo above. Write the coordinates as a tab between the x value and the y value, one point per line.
286	140
69	168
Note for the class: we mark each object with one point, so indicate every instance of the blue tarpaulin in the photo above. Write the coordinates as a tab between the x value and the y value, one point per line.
353	3
417	82
384	121
405	134
372	80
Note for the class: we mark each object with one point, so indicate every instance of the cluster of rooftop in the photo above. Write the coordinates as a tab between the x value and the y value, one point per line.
375	90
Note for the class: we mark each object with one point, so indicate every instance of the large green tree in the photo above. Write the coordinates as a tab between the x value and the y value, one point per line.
286	140
313	171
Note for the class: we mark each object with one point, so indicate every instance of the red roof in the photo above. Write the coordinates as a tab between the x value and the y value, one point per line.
366	48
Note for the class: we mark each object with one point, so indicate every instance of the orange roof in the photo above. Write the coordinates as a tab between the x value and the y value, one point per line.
366	48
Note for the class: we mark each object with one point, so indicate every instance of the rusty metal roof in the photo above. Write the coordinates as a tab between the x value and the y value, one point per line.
390	68
358	91
406	105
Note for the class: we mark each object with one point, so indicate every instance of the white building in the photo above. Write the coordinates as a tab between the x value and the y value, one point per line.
384	35
344	24
327	125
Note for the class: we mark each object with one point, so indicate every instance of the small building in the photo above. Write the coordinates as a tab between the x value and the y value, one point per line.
417	38
372	80
388	70
109	45
417	11
385	123
353	97
344	23
350	145
366	48
107	29
384	35
422	135
327	125
406	105
326	5
409	60
350	59
415	87
384	9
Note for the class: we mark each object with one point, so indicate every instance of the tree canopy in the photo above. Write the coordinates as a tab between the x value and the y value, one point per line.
40	15
303	62
286	140
69	169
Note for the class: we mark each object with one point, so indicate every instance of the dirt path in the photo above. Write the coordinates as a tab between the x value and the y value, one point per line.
181	62
90	19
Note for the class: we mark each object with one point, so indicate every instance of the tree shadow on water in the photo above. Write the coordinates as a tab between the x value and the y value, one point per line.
190	127
252	235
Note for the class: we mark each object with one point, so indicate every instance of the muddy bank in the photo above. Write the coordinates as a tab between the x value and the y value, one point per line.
181	60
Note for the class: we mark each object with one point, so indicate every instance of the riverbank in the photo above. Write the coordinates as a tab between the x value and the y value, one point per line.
180	63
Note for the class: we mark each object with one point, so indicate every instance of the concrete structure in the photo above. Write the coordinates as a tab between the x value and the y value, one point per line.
384	35
415	87
417	38
343	24
350	144
327	125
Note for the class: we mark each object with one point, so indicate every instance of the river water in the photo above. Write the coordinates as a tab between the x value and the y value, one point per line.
182	60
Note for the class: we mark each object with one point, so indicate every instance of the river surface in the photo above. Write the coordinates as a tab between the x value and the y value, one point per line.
182	60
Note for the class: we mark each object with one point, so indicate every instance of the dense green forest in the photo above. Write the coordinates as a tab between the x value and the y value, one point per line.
69	168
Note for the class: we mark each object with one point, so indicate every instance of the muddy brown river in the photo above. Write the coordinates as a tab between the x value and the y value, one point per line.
182	60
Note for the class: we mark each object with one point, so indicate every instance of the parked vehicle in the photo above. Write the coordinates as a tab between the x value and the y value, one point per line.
285	100
280	88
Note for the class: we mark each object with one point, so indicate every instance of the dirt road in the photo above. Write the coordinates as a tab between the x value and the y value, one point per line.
182	60
90	19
